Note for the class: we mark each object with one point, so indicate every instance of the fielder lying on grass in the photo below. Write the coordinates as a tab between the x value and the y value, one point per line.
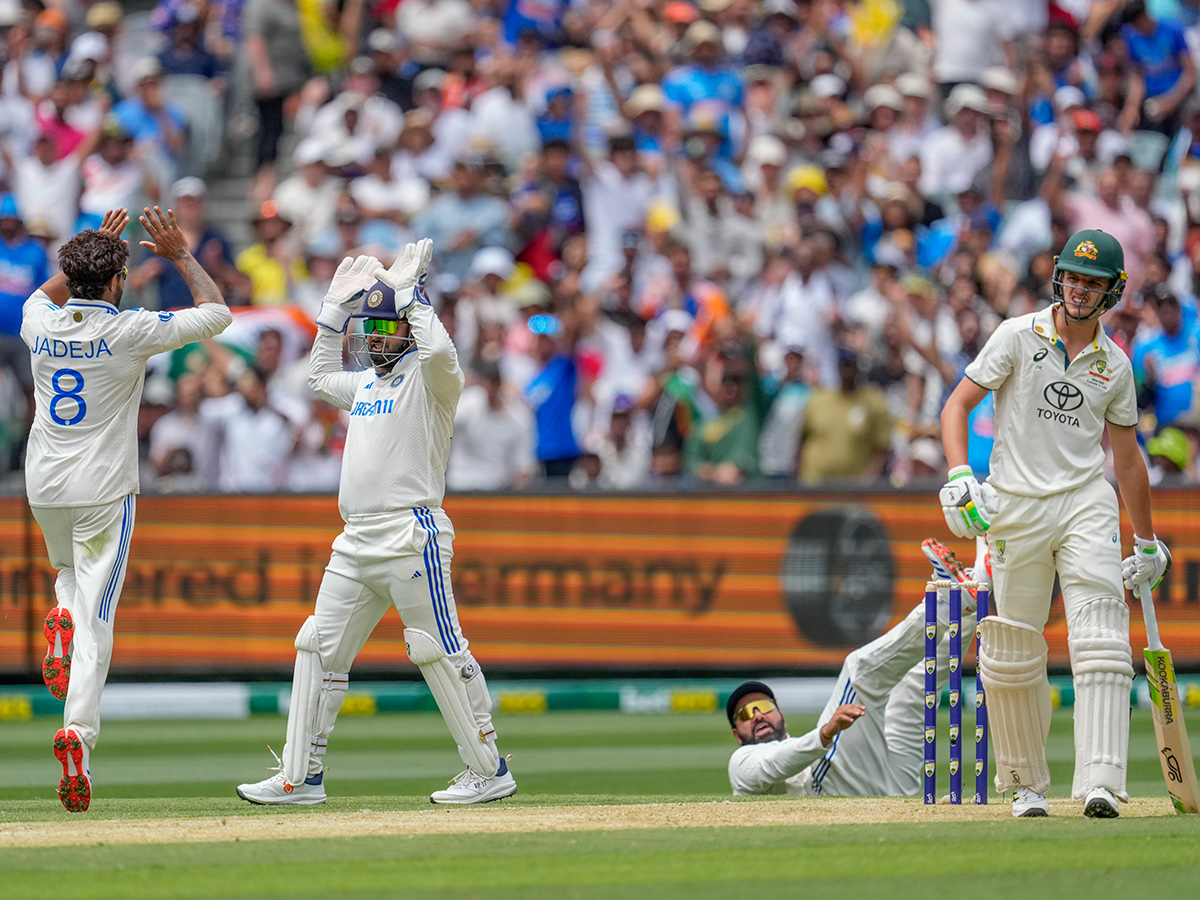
880	692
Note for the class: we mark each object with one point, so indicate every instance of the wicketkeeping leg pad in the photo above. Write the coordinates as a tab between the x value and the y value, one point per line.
1102	666
451	688
306	689
1012	664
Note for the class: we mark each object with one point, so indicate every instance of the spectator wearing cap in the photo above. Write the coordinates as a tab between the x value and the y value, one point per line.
185	54
800	309
547	209
279	67
907	138
24	266
1166	366
211	249
847	430
360	113
465	219
492	448
956	153
271	262
381	194
1170	454
47	53
309	197
706	79
557	121
645	110
762	170
115	177
551	393
157	126
389	54
1162	72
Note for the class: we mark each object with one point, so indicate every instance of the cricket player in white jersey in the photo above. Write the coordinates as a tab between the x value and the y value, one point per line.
398	543
869	740
1060	383
81	469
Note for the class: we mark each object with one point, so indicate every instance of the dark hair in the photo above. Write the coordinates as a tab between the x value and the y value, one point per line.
90	260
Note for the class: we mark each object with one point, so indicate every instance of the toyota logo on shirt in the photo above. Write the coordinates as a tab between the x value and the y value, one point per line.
1063	396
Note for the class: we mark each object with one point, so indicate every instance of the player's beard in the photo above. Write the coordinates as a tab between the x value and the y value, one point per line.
764	736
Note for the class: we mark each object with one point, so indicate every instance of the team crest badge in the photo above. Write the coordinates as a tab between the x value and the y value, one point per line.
929	768
931	631
930	735
930	665
979	767
930	699
954	767
1087	249
1000	549
954	700
374	299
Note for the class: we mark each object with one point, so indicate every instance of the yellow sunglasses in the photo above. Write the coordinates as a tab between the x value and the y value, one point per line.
754	707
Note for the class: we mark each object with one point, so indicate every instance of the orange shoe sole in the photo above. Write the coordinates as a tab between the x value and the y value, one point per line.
75	788
59	628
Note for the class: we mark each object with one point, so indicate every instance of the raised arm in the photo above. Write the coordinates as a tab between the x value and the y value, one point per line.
170	244
325	376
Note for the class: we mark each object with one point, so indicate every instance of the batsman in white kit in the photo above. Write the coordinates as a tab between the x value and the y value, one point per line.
398	542
1060	384
81	469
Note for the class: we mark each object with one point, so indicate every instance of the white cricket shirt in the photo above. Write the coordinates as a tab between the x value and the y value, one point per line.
1051	410
775	767
89	362
398	440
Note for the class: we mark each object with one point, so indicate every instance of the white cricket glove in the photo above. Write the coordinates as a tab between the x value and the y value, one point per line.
968	506
407	274
344	298
1147	565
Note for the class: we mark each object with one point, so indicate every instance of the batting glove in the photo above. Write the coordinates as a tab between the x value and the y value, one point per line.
1147	565
407	274
968	506
344	298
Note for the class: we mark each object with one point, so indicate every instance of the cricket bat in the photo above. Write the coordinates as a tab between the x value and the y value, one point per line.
1174	752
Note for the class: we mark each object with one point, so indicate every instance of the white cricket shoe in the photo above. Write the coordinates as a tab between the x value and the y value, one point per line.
469	786
1101	804
275	791
1029	804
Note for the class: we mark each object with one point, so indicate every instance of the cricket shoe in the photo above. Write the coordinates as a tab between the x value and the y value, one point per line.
1029	804
58	628
947	567
276	791
75	786
469	786
1101	804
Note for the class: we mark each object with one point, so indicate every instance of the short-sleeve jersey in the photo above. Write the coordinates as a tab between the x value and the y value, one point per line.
1050	410
89	362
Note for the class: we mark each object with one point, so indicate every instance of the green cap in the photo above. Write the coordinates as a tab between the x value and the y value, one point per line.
1093	252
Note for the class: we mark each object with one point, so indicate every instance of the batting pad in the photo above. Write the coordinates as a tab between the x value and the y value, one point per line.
306	688
1102	664
449	689
1012	664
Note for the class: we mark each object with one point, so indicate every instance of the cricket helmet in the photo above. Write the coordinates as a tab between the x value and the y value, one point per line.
1096	254
380	320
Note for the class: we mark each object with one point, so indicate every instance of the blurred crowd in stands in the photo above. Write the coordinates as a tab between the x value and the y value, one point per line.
676	244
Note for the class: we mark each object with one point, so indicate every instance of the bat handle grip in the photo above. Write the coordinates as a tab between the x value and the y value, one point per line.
1153	641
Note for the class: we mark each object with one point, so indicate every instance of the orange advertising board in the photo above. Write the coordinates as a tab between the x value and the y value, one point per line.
771	582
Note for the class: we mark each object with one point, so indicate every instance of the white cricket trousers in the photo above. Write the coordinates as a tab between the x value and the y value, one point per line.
395	559
89	545
1074	533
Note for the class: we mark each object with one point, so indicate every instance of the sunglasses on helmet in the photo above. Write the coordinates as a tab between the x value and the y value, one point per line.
381	326
754	707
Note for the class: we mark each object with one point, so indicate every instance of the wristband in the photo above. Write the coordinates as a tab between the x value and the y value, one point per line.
960	472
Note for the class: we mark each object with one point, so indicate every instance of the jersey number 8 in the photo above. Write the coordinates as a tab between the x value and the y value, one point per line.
72	393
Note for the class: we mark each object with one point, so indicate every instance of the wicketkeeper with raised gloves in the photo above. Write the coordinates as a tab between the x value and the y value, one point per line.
1046	508
398	543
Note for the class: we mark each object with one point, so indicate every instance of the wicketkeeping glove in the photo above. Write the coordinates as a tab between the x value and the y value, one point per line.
968	506
407	274
1147	565
344	298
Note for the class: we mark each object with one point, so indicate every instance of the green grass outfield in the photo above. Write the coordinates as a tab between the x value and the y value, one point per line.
388	764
